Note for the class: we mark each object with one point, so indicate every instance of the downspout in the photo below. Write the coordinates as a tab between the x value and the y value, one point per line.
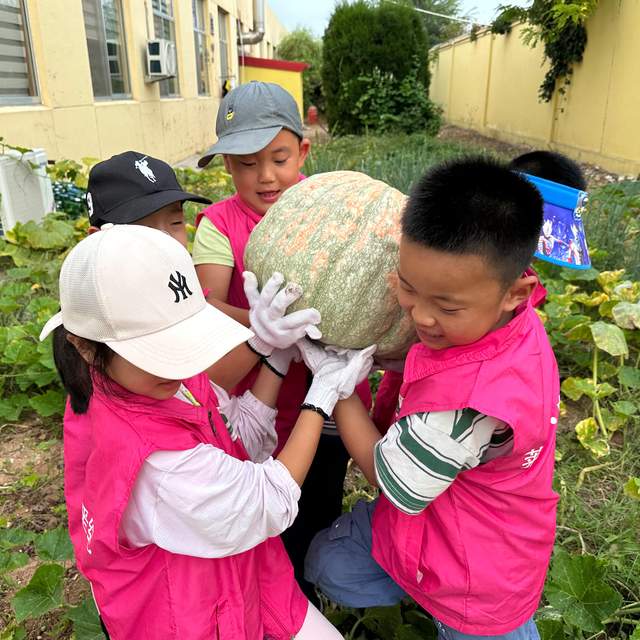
255	36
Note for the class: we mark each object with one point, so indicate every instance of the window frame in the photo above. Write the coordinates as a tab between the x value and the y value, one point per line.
106	60
32	72
223	19
171	19
200	42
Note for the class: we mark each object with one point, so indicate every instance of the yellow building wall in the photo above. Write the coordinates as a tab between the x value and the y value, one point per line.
70	123
595	120
289	80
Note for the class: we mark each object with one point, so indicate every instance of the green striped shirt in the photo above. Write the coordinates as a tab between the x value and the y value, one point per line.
421	454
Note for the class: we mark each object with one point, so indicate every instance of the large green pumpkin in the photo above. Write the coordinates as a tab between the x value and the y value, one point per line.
336	234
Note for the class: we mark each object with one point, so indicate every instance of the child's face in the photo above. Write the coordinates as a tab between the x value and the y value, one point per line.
454	299
140	382
169	219
262	177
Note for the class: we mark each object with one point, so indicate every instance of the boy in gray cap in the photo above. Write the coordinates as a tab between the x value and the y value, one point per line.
261	140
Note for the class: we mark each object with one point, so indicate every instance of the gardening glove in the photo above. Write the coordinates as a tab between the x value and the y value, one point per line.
272	328
280	359
335	373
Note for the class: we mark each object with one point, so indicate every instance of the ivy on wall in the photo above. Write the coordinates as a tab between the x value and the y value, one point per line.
560	26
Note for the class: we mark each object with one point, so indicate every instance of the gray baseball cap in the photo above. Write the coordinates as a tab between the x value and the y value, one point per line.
250	117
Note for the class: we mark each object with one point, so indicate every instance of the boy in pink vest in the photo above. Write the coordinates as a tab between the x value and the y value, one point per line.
260	137
466	521
174	510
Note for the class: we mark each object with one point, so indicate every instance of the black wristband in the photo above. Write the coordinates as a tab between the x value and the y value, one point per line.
311	407
266	363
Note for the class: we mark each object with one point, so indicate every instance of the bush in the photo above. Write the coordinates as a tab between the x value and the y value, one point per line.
370	50
301	46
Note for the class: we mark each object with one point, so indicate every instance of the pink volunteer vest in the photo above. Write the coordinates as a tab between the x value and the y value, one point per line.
150	593
236	220
476	557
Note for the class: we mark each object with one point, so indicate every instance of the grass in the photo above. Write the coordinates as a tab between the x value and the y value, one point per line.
397	159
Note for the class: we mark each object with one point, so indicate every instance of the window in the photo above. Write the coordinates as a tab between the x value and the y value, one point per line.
17	74
164	25
107	52
223	39
200	38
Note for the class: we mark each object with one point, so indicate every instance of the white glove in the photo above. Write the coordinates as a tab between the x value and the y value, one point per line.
272	328
335	373
280	359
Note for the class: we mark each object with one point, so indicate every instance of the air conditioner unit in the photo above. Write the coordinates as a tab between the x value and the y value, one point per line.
25	188
161	60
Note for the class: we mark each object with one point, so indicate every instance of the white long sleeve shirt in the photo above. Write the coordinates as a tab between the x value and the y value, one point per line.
203	502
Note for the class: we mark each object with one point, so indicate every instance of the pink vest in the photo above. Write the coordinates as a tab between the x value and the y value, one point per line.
148	592
234	219
477	556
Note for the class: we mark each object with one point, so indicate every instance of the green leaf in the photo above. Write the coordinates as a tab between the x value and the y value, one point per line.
383	621
579	332
575	275
609	338
575	388
55	545
632	488
49	403
630	377
607	279
11	538
551	629
407	632
86	622
11	560
625	408
636	633
627	315
422	622
12	407
13	632
42	594
577	589
591	439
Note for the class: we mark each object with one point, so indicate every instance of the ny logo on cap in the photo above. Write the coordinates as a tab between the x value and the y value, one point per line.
178	284
143	167
89	203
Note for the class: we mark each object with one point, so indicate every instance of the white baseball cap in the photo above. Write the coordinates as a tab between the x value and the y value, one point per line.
135	289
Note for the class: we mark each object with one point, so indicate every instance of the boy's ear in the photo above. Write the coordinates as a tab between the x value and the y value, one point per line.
519	292
92	229
84	348
227	163
305	145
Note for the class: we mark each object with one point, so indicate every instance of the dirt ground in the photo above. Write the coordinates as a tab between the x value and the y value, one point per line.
596	176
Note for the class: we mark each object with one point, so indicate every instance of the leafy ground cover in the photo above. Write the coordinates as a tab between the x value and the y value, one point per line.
593	318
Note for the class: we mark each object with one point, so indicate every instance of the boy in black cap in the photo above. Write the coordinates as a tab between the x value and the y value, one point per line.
133	188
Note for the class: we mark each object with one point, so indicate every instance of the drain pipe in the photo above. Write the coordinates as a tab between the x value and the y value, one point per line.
255	36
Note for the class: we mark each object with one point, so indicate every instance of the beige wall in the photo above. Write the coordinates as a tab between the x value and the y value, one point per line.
491	85
70	123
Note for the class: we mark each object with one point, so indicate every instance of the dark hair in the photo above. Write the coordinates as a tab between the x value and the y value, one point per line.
551	165
477	206
74	371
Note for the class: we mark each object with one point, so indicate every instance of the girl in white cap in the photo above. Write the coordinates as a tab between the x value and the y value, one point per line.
175	510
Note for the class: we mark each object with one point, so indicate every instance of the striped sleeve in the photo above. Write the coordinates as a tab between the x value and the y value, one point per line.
421	454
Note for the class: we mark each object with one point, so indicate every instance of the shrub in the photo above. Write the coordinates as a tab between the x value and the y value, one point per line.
365	47
301	46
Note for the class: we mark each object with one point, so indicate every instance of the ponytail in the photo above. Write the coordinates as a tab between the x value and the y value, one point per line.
74	370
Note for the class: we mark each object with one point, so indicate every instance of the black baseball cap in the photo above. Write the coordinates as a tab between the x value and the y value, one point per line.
130	186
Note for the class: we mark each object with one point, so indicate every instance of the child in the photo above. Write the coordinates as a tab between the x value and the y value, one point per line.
549	165
174	510
465	524
133	188
261	140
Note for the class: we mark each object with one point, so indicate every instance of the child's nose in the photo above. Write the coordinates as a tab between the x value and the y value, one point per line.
422	318
265	173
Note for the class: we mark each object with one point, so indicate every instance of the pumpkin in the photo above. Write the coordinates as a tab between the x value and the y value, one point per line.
337	234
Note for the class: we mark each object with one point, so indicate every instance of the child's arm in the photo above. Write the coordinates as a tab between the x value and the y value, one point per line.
216	278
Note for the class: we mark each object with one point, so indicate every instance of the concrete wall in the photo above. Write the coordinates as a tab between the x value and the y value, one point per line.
70	123
491	85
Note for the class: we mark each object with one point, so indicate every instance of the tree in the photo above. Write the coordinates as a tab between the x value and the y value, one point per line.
300	45
366	45
439	29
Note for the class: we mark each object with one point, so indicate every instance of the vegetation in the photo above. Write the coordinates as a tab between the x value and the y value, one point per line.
374	69
560	26
300	45
593	320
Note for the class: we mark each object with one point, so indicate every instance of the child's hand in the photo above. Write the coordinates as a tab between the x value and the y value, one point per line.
335	373
274	329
